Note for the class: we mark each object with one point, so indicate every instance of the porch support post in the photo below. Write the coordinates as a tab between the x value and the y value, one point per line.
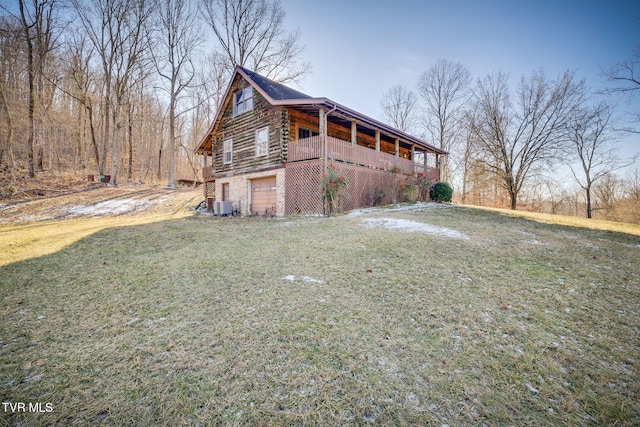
413	153
322	121
354	133
397	140
377	140
204	160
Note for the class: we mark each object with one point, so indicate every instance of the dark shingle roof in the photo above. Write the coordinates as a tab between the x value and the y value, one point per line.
275	90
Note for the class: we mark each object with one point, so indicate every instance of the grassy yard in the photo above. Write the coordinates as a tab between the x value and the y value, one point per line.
430	316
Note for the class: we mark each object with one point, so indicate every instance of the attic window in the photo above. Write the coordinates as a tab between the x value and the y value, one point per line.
243	101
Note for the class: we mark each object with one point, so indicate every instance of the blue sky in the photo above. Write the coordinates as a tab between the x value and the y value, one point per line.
360	49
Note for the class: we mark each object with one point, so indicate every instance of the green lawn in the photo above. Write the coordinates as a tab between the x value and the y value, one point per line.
327	321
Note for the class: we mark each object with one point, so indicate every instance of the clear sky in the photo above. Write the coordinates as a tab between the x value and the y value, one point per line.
359	49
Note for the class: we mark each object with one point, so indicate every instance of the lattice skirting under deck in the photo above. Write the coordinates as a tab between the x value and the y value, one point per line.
303	189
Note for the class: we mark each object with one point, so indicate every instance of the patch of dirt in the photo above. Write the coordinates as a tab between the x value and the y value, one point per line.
95	200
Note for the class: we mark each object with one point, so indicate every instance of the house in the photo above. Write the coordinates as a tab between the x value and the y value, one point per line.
269	145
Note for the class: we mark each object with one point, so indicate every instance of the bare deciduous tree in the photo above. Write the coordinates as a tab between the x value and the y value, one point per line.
116	30
251	34
443	88
79	57
399	108
28	23
10	31
177	36
591	134
626	77
519	136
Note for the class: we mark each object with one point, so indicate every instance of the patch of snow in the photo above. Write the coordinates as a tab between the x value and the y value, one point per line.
400	207
292	278
356	212
532	389
533	242
411	397
419	206
412	227
113	207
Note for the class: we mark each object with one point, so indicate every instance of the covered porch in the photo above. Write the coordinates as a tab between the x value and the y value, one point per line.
338	150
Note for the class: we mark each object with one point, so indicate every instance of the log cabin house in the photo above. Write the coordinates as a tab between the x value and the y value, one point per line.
268	146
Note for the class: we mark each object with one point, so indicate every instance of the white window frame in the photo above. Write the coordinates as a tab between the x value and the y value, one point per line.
242	101
227	151
262	142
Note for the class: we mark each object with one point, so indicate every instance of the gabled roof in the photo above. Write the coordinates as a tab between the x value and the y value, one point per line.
278	94
274	90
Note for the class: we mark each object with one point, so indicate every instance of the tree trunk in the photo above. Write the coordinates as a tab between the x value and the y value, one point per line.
32	90
130	140
115	143
514	201
94	143
589	212
172	145
7	146
107	121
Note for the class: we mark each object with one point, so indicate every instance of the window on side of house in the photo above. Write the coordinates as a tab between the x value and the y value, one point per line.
306	132
227	151
262	142
243	101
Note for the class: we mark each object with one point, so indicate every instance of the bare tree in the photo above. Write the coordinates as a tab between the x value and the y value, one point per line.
10	40
607	193
250	33
625	75
399	108
115	29
37	18
591	134
28	23
443	88
177	36
518	136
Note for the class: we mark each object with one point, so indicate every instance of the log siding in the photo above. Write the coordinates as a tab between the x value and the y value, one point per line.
242	130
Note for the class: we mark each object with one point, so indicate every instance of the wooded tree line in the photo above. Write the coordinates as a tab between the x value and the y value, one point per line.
517	145
126	88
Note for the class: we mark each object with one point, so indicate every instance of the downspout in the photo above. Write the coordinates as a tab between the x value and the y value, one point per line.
325	208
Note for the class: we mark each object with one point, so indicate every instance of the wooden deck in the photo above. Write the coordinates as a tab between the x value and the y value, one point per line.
343	151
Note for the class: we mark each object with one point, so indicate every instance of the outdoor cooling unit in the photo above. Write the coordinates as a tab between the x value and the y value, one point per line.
223	208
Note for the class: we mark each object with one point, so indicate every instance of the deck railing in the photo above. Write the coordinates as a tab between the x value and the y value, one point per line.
207	172
343	151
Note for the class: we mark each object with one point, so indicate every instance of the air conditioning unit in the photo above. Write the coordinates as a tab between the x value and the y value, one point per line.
223	208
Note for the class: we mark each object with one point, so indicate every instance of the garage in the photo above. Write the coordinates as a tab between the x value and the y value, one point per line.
263	196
